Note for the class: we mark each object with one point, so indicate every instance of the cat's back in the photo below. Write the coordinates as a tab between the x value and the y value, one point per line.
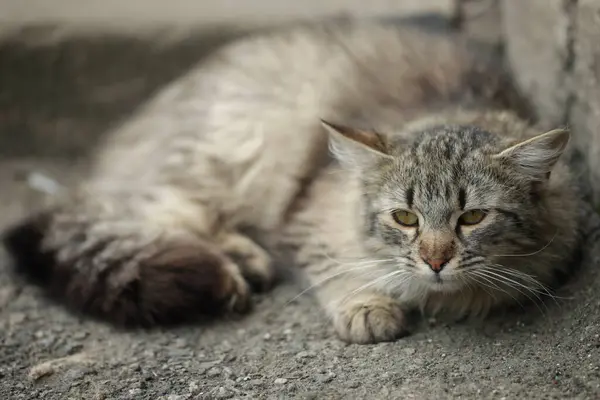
267	88
242	129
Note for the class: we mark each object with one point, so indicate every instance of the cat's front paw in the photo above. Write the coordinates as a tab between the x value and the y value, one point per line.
370	319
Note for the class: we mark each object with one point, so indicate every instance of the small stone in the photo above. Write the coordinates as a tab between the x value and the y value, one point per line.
41	370
16	318
255	383
326	378
305	354
6	295
193	387
80	335
223	393
280	381
214	371
207	366
180	343
175	397
409	351
267	336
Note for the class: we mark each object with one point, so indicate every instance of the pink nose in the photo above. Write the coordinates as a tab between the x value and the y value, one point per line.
436	265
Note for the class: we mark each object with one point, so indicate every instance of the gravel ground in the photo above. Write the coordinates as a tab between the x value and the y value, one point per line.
56	100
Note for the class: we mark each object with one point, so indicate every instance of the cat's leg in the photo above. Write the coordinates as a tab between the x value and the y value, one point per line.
135	268
360	313
255	263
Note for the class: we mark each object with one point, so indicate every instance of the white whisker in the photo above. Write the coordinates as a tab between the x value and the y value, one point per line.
527	254
514	285
330	277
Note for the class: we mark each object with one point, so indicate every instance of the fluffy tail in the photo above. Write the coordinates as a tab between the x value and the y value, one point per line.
122	275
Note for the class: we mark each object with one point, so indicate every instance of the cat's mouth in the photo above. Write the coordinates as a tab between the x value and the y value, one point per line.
439	283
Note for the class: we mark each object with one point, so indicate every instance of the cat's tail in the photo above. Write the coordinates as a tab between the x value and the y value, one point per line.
123	274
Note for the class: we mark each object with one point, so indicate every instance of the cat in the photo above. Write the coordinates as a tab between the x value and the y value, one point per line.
362	147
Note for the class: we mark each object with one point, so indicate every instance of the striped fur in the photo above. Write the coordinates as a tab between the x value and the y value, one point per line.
153	234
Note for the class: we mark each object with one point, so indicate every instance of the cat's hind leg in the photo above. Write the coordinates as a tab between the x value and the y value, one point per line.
129	270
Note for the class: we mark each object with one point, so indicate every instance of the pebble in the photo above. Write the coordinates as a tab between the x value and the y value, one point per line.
41	370
255	382
180	343
193	387
214	371
306	354
80	335
280	381
353	384
6	295
409	351
267	336
223	393
16	318
326	378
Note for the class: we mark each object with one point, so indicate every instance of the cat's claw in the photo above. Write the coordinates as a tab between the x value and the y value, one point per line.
370	319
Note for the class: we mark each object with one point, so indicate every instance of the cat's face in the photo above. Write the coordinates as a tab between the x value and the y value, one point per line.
446	207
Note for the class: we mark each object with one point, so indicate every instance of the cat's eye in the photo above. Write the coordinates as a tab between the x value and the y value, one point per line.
472	217
405	218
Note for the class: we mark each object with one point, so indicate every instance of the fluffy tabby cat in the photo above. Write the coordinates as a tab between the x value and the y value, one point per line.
434	200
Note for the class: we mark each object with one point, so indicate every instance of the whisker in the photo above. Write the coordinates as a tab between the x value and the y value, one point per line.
532	279
527	254
372	283
494	286
471	262
514	285
330	277
496	272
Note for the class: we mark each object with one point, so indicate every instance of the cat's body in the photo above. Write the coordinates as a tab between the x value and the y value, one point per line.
153	235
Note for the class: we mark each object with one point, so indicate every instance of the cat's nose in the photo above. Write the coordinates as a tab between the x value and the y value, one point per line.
436	264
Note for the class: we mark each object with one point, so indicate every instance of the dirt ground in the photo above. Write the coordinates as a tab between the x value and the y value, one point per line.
56	100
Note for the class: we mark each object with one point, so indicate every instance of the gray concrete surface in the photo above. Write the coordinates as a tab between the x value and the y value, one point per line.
536	33
126	16
553	49
55	102
585	107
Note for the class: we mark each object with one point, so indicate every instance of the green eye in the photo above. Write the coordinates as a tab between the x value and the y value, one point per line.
472	217
405	218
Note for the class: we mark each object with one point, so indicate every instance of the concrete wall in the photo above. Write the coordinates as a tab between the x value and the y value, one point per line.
553	48
127	15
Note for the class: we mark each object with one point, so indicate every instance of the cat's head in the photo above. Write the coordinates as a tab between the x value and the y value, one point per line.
452	201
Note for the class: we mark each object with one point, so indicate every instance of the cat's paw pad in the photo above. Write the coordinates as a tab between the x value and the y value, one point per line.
255	263
370	319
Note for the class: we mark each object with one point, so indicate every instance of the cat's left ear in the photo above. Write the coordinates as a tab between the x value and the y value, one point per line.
356	148
538	155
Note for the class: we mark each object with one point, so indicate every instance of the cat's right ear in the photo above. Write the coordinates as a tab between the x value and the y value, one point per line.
356	148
